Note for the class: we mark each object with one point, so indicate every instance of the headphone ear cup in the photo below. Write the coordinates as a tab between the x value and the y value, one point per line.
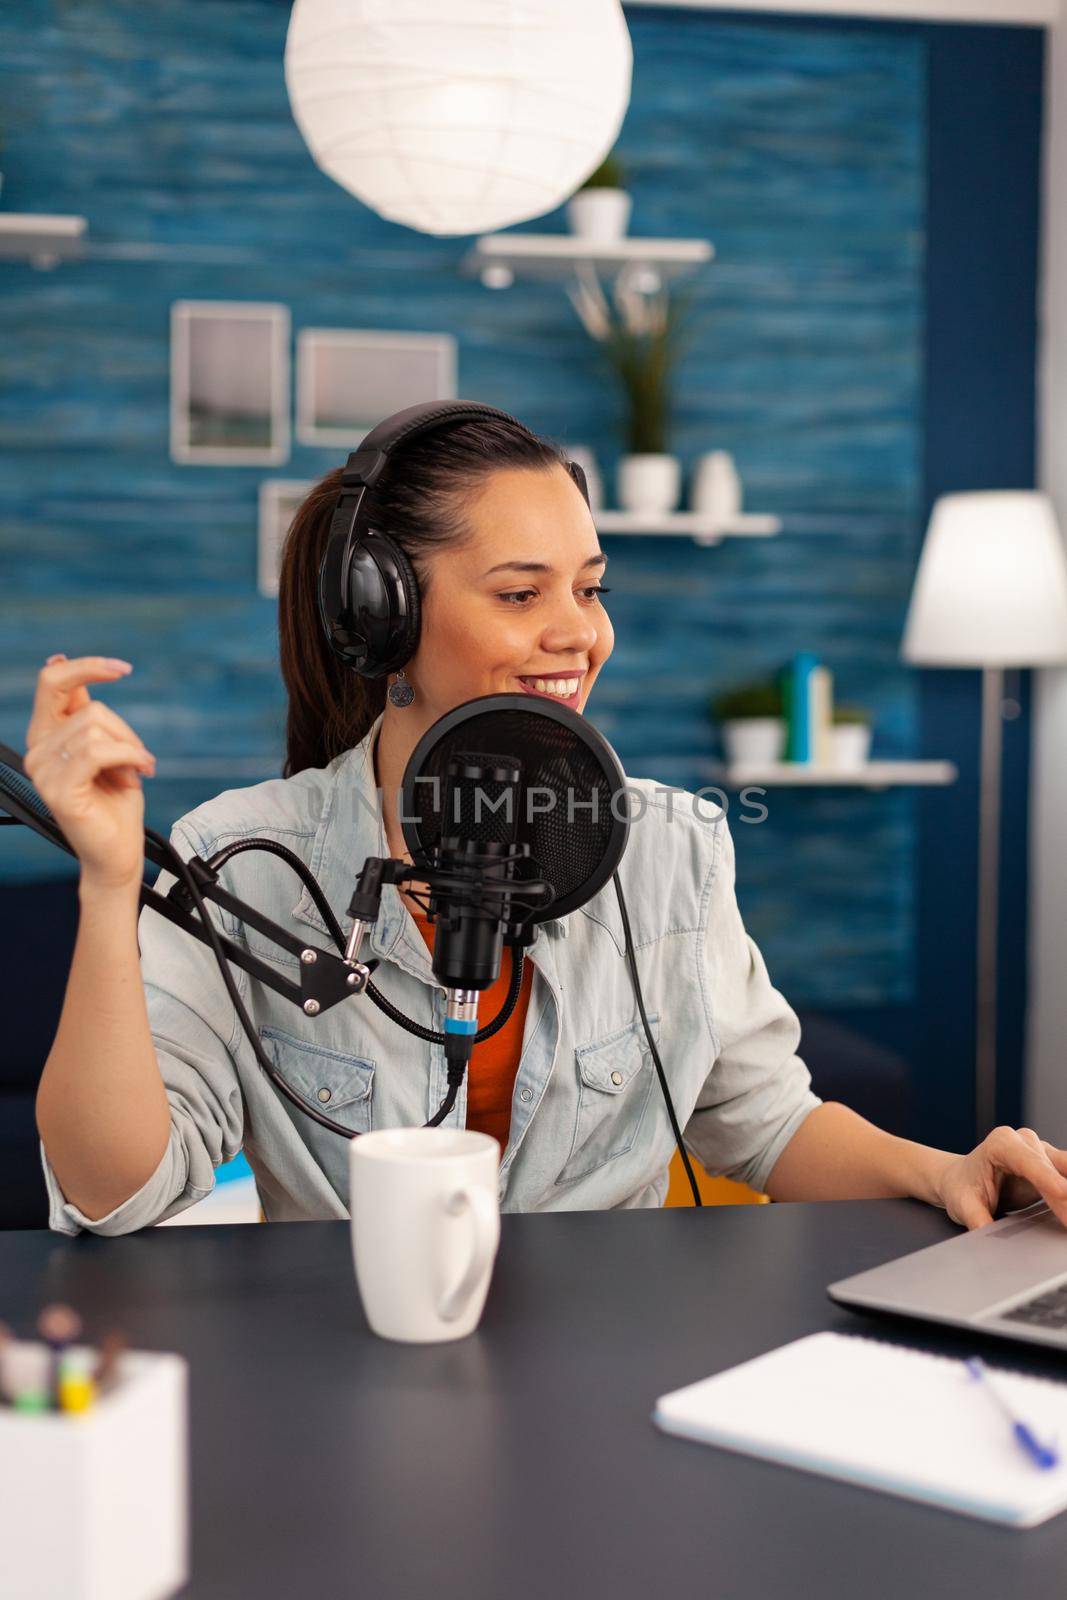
405	620
334	606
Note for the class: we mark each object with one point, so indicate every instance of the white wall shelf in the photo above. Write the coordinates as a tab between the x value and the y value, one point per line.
40	239
1014	12
872	775
695	525
499	258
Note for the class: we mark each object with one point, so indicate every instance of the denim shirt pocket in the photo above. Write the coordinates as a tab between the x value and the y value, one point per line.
340	1086
615	1074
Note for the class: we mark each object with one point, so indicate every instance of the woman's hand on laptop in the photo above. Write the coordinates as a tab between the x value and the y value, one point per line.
1011	1168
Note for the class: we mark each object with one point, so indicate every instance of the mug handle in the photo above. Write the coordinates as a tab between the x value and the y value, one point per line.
486	1219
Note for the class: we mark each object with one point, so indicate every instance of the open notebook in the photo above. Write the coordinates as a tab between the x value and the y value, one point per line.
888	1417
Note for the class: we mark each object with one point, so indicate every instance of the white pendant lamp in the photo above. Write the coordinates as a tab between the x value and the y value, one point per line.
458	116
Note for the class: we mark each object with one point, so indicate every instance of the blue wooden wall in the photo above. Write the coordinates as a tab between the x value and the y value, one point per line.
799	151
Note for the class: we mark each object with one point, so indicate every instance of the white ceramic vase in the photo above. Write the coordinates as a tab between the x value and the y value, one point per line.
753	739
650	482
850	745
599	215
716	488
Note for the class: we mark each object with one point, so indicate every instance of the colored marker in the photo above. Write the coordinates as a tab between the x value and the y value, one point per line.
77	1391
27	1370
58	1326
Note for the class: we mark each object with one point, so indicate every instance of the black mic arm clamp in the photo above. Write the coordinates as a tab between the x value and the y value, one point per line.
181	895
480	881
325	979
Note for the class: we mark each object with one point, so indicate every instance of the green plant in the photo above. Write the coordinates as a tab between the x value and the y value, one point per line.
845	716
640	335
644	363
763	699
611	174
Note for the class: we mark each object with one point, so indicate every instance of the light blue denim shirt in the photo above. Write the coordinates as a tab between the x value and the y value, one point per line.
589	1127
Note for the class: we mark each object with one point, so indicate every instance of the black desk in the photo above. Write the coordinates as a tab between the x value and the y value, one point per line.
522	1462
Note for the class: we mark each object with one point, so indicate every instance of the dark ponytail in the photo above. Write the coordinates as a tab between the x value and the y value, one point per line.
419	502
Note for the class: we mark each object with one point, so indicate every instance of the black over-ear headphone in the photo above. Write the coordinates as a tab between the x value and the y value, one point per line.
368	592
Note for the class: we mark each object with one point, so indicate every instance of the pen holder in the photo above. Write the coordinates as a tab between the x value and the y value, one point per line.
94	1505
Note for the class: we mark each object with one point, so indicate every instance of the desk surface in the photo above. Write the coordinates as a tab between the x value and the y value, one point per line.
522	1462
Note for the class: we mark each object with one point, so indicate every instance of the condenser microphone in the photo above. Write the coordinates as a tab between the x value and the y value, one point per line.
475	855
507	789
479	816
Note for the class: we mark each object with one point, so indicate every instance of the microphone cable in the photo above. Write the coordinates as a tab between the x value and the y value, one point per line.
632	962
183	871
326	911
337	934
192	888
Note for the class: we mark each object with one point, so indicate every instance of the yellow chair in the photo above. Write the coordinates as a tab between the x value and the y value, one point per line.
713	1191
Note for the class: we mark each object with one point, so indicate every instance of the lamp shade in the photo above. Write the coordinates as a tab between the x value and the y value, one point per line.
991	589
458	116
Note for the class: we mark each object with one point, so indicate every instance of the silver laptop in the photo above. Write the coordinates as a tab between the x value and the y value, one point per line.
1008	1278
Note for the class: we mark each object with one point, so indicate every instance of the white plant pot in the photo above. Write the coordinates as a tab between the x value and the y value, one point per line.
753	739
599	214
649	482
850	745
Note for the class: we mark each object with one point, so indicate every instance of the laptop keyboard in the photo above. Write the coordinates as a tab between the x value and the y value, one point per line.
1047	1310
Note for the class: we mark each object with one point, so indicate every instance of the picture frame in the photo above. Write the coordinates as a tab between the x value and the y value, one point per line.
348	379
230	383
279	499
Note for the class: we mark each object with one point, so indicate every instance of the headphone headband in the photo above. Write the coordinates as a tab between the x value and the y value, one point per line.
365	465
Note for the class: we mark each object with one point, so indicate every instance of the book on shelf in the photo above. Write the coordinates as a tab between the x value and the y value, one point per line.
806	707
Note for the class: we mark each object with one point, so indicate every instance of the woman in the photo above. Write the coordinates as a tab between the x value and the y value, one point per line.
151	1081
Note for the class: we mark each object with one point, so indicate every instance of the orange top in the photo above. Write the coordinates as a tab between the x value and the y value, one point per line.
495	1062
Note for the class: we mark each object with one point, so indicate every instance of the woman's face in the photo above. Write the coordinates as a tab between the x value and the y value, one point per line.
515	609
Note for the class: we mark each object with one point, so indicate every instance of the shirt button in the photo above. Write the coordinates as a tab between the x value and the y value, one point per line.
526	1094
616	1078
324	1095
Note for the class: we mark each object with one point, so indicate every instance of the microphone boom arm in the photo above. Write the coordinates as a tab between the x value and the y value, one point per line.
478	884
325	978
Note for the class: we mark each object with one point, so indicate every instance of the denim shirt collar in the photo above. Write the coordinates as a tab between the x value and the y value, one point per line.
350	829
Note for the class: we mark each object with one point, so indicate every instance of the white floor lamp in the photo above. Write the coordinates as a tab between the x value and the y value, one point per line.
990	592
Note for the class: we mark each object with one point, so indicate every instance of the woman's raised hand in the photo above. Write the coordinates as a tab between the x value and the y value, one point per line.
85	763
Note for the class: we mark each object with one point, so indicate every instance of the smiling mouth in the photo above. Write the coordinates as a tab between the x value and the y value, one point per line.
565	687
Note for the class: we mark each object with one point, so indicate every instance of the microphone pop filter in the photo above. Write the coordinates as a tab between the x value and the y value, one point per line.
573	807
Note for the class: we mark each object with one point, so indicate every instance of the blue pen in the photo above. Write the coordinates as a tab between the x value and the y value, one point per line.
1044	1455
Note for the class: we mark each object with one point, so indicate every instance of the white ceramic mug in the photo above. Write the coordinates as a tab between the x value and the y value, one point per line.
425	1228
